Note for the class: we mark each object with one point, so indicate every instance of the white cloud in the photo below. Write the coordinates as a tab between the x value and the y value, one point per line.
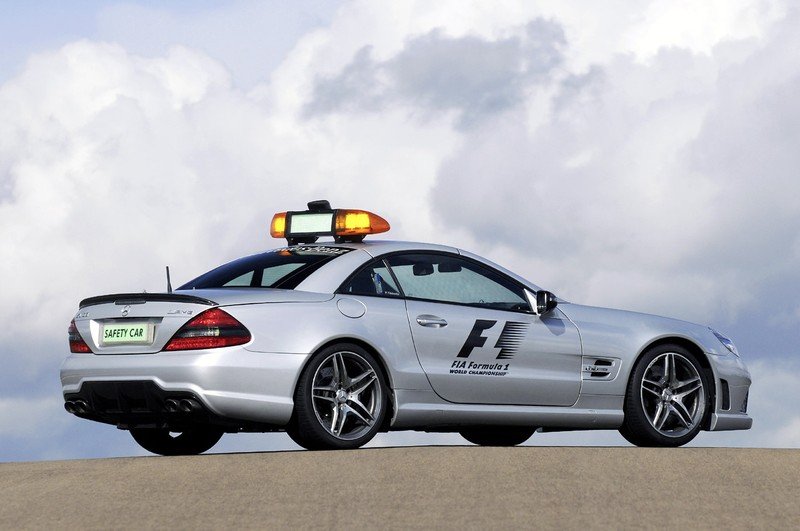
699	26
436	73
103	152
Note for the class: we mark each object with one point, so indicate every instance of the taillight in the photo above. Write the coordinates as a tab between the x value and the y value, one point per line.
211	329
76	342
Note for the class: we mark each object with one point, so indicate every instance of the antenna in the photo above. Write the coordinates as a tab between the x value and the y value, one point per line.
169	284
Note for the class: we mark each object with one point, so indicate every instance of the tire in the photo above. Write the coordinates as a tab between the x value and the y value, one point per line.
667	399
190	442
497	435
340	401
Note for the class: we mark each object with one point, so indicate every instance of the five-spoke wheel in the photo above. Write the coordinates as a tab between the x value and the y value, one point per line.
340	401
667	398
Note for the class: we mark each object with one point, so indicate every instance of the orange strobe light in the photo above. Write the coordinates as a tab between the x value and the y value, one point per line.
345	225
277	228
358	222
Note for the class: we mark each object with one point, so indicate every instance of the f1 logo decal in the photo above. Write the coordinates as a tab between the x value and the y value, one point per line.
510	338
475	338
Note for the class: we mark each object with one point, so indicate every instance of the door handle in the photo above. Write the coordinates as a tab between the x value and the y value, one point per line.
431	320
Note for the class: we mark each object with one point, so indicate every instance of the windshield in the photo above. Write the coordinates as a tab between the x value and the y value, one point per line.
280	268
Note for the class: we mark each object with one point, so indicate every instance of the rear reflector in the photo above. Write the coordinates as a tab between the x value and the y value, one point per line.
76	342
213	328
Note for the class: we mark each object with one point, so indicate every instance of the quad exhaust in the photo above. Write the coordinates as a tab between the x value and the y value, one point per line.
183	405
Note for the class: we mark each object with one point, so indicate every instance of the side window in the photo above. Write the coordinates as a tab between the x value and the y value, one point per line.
375	280
445	278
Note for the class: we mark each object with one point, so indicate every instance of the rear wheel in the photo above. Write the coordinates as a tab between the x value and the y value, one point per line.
190	442
667	398
497	435
340	400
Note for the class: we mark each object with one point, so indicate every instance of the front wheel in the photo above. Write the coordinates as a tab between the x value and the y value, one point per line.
667	398
497	435
340	400
190	442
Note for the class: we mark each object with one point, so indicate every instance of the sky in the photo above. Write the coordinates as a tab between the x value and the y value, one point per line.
631	155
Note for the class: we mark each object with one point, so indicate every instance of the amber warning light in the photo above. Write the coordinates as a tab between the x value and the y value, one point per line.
345	225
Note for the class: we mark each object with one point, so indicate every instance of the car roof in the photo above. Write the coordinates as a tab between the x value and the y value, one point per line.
331	275
379	247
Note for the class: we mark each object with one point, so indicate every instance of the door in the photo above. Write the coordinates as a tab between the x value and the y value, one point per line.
477	338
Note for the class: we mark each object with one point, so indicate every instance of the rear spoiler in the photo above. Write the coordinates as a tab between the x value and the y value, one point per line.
121	299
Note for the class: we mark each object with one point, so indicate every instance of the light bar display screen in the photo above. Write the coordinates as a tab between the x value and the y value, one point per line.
310	223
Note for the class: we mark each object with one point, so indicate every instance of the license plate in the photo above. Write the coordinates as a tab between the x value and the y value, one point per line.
126	334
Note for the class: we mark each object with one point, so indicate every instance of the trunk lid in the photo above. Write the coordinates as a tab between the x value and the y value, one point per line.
143	323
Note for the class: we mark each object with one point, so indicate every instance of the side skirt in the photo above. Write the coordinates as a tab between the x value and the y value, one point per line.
417	410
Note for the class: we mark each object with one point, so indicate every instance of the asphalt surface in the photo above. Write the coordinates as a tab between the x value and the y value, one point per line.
419	487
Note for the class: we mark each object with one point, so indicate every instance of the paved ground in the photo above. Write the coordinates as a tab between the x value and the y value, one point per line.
420	487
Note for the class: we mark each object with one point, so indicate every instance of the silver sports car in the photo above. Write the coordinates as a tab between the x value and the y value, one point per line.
334	342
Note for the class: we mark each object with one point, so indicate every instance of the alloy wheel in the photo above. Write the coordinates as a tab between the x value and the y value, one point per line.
346	395
672	394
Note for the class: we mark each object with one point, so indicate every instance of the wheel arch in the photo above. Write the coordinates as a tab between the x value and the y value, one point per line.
378	357
701	357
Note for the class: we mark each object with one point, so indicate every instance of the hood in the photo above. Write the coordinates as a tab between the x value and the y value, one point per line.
637	328
579	312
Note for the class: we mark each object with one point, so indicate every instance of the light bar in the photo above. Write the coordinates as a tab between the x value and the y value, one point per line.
322	220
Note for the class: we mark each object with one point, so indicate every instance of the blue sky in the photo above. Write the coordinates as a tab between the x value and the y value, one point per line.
636	156
251	38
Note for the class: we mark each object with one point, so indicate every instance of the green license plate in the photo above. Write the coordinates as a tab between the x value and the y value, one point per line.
126	334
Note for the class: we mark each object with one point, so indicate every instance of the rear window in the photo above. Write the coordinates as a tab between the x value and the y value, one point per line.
280	268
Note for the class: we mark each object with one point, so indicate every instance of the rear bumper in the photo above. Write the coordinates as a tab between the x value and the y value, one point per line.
143	404
732	384
231	383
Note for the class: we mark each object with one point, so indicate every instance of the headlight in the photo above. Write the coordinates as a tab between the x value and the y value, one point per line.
725	341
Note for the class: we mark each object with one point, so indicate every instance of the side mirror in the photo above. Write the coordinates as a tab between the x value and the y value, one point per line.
545	301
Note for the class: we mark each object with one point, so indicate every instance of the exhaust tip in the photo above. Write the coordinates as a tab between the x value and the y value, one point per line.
188	405
80	407
69	405
172	405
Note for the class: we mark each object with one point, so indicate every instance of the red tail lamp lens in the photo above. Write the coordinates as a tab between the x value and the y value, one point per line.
76	342
213	328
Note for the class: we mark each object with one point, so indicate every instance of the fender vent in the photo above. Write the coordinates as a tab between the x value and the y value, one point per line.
599	368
